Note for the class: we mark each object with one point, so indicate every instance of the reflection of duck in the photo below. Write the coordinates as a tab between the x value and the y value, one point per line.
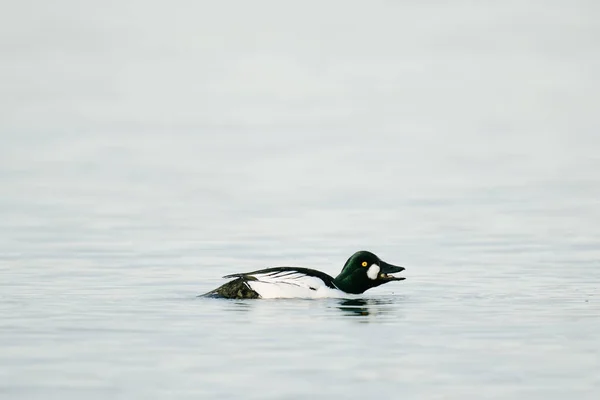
358	307
354	307
363	271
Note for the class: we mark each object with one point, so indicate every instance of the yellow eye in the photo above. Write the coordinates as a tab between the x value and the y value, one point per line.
364	264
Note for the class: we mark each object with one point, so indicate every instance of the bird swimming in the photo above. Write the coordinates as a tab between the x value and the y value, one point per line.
363	271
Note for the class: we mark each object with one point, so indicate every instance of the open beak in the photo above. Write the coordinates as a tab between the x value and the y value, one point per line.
387	269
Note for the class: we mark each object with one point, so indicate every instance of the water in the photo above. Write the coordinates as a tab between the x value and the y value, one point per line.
148	148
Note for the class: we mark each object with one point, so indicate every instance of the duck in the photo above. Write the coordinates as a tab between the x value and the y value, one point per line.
363	271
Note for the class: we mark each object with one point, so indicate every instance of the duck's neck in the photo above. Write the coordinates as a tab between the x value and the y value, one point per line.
348	285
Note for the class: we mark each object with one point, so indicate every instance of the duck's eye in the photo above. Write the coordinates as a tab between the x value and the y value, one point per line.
364	263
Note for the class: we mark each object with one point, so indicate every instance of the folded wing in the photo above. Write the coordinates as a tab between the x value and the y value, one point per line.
281	282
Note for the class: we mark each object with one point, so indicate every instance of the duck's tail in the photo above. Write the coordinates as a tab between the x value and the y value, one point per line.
235	289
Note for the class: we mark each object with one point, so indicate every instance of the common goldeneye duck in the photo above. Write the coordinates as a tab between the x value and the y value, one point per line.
363	271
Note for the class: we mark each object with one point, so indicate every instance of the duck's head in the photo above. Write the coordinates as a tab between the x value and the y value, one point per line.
363	271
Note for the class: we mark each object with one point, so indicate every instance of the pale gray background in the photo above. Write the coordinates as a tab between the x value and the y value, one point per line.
148	148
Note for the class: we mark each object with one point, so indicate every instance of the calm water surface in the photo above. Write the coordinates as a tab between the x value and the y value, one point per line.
147	149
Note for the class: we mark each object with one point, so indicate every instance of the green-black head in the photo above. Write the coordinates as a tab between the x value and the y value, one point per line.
363	271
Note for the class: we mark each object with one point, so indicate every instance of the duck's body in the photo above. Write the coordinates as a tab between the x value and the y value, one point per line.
278	282
361	272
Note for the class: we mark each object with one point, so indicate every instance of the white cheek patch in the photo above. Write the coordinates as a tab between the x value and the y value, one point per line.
373	271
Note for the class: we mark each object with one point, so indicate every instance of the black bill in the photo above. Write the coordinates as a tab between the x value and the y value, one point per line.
388	269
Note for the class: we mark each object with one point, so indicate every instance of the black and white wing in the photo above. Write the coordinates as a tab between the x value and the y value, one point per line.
281	282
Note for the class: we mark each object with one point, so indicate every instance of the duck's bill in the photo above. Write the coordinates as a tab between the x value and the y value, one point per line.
387	270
